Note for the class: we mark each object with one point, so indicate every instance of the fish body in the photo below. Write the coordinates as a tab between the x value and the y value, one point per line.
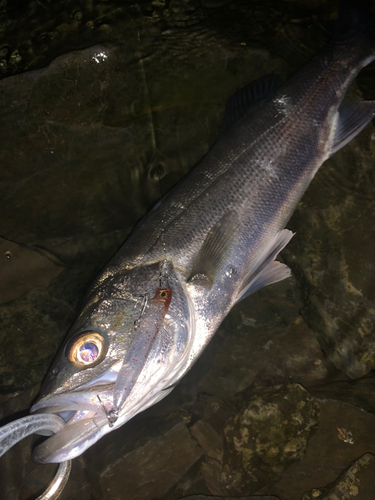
213	239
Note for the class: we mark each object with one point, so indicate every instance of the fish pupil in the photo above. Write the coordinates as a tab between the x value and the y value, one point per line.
88	352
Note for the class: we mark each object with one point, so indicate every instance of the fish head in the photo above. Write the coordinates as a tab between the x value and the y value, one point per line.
80	384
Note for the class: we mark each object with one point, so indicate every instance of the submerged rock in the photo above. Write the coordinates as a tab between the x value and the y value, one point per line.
359	393
24	268
331	258
152	469
264	341
266	436
356	482
344	433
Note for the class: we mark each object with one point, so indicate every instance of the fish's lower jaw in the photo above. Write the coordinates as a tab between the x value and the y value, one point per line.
85	428
70	442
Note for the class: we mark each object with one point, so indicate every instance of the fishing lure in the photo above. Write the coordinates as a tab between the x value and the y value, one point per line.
147	328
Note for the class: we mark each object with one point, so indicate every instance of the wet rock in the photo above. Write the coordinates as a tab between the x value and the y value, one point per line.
32	328
23	268
356	482
208	439
212	445
112	100
154	468
266	436
330	257
17	403
344	434
212	474
266	341
359	393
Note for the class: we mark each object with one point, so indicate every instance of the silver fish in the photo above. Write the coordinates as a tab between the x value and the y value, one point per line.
212	241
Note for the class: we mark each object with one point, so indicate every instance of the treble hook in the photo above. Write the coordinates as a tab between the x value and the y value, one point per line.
112	415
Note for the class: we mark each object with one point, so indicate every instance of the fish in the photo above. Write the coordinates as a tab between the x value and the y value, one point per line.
211	242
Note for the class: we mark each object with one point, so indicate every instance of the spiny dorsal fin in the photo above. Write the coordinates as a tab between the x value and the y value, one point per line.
353	117
215	249
267	270
244	98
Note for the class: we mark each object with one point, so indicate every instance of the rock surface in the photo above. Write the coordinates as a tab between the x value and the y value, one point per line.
269	434
24	269
331	261
174	452
268	342
343	435
356	482
359	393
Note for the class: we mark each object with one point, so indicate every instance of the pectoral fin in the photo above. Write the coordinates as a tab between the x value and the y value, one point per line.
267	270
353	117
215	249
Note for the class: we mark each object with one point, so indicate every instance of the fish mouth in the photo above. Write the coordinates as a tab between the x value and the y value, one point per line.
86	416
85	423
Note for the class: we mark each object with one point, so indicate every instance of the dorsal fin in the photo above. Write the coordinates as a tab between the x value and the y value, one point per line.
244	98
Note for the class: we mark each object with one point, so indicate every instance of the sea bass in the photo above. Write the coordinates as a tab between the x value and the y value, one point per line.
211	242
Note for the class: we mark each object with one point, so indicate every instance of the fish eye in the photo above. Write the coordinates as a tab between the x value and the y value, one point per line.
164	293
87	349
